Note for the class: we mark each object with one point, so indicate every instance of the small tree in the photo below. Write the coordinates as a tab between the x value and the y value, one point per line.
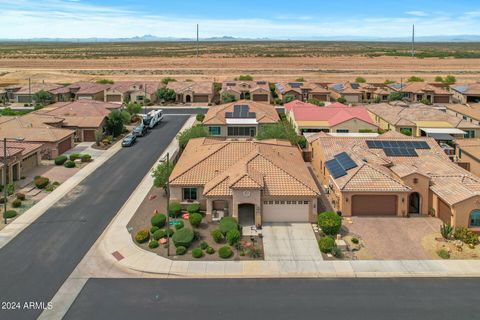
98	137
161	174
42	97
342	100
133	108
406	131
395	96
245	77
415	79
438	79
105	81
116	120
228	97
316	102
165	94
388	82
301	79
426	101
166	80
197	131
288	98
360	80
449	80
199	117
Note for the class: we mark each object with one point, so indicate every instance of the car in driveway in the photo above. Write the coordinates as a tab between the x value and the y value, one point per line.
140	130
129	140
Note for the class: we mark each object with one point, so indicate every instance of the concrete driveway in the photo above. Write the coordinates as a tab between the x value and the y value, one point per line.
290	242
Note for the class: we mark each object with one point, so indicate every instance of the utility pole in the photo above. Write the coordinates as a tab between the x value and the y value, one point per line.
5	184
168	204
30	89
413	41
145	98
197	40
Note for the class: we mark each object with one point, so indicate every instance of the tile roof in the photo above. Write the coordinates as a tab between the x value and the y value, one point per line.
17	147
239	86
265	113
130	86
467	89
423	87
36	87
198	87
333	115
298	87
380	173
87	87
220	165
473	113
346	88
470	146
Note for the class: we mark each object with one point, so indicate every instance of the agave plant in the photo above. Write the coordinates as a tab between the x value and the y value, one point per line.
446	230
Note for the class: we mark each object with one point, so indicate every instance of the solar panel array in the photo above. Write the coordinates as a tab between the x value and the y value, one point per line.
338	87
241	112
280	87
355	85
400	152
260	83
295	84
340	164
398	148
461	89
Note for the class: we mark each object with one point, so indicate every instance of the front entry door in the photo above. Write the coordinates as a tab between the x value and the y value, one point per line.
414	203
246	214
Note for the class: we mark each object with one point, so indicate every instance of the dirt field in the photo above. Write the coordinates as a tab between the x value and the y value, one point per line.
17	66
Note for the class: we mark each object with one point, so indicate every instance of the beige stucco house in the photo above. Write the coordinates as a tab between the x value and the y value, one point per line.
192	92
258	90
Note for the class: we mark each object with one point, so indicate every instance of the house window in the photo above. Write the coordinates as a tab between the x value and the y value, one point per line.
189	193
270	202
242	131
289	202
474	218
342	130
305	202
469	133
214	131
277	202
282	202
294	202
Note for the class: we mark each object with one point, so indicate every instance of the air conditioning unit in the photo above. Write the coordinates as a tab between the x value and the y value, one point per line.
326	189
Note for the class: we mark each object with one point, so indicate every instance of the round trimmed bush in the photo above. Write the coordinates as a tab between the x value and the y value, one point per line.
225	252
183	237
20	196
210	250
86	158
203	245
157	235
60	160
75	156
329	222
158	220
195	219
41	182
69	164
179	225
193	207
169	231
227	224
326	244
174	209
233	236
153	229
16	203
217	235
197	253
9	214
181	251
142	236
153	244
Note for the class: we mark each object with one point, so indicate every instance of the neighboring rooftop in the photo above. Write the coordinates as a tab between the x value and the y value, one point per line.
423	87
129	86
346	87
470	146
198	87
264	113
240	86
300	86
467	88
473	113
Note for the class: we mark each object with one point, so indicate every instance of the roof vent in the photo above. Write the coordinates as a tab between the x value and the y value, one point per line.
365	160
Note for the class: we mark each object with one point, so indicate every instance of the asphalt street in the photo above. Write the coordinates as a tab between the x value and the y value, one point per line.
341	298
35	264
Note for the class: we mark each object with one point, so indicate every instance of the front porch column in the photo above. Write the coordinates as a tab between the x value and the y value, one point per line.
208	214
258	215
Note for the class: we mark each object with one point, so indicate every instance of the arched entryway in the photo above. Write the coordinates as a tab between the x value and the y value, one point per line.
474	219
246	214
188	98
414	203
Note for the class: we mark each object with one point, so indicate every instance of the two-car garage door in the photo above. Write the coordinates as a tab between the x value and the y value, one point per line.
285	211
374	205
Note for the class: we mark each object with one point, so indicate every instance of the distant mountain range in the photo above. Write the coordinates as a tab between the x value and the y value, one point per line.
151	38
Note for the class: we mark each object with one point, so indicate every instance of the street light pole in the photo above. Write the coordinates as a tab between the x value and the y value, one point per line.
168	204
5	168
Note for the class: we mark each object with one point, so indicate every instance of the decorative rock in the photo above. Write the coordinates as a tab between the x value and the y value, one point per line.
151	197
163	241
78	161
341	244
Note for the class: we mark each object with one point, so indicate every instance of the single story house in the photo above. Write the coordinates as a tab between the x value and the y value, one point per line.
467	153
248	90
134	91
466	93
252	181
25	93
21	158
350	91
418	91
464	112
193	92
336	118
302	91
375	92
395	175
239	119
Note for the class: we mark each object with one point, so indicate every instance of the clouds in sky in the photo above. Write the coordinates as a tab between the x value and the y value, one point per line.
79	19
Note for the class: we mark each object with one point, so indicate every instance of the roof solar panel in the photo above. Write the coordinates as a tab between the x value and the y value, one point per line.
345	161
338	87
335	169
420	145
228	114
295	84
355	85
400	152
372	144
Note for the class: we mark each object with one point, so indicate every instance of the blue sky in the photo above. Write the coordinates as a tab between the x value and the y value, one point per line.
247	18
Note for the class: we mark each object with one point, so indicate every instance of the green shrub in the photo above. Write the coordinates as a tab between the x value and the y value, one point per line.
337	253
180	251
195	219
442	253
254	252
183	237
74	156
330	223
20	196
446	231
3	200
69	164
153	244
16	203
86	158
233	236
326	244
158	220
179	225
153	229
227	224
193	207
225	252
142	236
159	234
41	182
203	245
355	240
169	232
50	188
210	250
60	160
197	253
466	236
200	117
174	209
217	235
9	214
10	189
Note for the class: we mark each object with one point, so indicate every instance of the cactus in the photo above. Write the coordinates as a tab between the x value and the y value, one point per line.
446	231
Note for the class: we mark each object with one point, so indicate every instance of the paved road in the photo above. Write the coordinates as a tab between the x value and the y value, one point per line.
35	264
278	299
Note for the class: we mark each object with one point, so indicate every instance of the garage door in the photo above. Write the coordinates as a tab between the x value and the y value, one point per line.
444	212
370	205
260	97
441	99
114	98
23	99
200	98
320	97
65	145
285	211
29	162
88	135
